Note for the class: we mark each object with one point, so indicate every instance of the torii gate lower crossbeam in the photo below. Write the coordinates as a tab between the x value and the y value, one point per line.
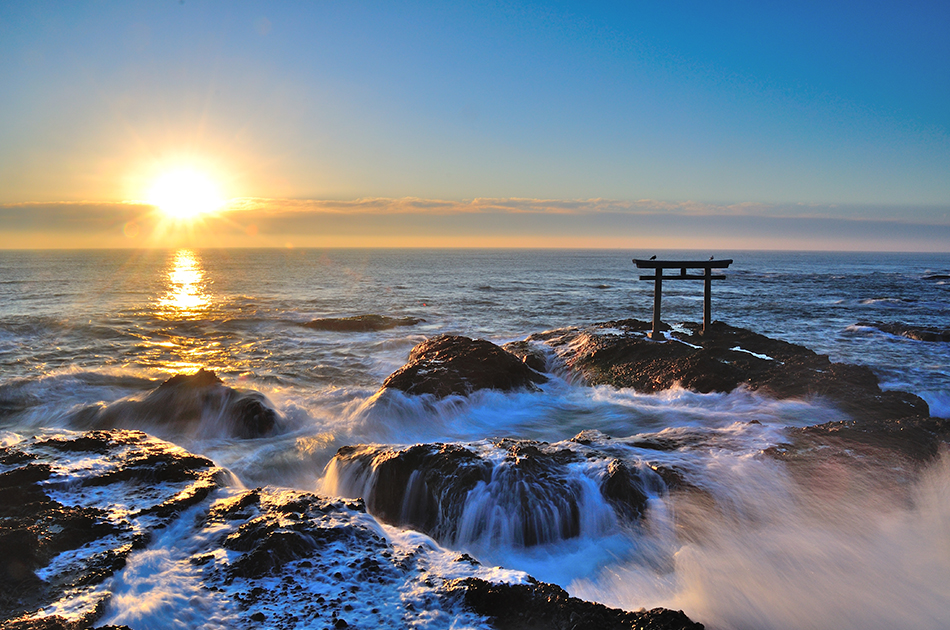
707	277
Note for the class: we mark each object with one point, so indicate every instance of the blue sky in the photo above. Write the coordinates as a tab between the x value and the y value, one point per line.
806	111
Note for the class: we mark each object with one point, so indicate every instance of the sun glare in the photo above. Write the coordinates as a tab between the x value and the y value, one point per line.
185	194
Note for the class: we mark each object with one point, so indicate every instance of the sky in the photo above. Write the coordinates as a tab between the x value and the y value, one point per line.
701	125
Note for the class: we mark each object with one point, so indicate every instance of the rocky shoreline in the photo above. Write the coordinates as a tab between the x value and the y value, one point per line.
317	558
723	359
63	538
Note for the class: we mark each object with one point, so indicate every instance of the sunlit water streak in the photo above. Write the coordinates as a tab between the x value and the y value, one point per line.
768	548
186	295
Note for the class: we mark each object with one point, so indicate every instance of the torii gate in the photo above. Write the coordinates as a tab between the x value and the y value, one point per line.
706	265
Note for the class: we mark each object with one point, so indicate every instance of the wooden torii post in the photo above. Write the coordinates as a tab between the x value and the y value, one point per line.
659	265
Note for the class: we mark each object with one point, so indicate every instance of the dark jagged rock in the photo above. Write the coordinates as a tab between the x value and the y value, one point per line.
452	365
429	487
292	538
917	333
530	355
624	488
361	323
198	402
917	436
200	379
724	358
49	515
542	606
280	529
293	559
423	486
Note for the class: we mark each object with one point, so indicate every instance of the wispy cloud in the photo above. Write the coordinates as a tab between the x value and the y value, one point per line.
480	222
416	205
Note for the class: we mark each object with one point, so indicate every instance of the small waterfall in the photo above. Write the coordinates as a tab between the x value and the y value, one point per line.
512	511
513	494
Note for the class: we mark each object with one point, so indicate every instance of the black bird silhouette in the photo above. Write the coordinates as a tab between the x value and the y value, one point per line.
653	257
711	257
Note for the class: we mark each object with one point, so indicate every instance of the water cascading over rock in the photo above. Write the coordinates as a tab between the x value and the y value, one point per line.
513	493
198	404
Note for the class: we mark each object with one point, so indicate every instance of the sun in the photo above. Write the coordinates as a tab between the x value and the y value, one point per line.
185	194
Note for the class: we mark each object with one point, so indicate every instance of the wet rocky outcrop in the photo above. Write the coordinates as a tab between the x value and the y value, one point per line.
77	507
619	353
278	528
917	333
299	560
197	404
453	365
512	492
73	508
542	606
361	323
422	486
530	354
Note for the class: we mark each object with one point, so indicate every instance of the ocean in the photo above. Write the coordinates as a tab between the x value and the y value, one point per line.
86	328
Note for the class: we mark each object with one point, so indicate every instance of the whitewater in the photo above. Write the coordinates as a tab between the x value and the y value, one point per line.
860	543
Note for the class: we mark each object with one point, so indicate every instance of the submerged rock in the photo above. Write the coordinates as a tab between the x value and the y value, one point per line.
917	333
361	323
453	365
280	528
198	403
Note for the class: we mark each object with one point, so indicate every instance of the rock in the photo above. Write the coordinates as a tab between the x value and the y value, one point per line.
917	437
57	511
361	323
618	353
198	403
541	606
452	365
918	333
464	493
529	354
422	486
624	488
273	556
200	379
280	528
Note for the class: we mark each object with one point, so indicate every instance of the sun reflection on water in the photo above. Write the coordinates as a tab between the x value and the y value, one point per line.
187	326
186	294
180	344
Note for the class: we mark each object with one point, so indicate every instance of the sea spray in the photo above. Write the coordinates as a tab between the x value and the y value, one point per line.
839	546
160	588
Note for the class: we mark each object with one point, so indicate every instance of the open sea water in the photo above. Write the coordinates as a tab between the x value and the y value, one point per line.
79	328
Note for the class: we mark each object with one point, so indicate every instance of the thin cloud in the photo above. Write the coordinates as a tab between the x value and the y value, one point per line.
480	222
413	205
